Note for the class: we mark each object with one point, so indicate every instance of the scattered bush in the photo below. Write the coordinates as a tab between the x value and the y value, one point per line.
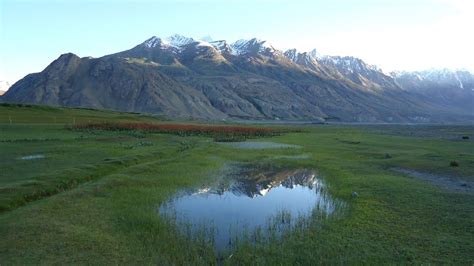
465	137
454	164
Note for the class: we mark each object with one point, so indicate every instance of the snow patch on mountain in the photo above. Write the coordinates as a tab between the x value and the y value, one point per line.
458	80
461	79
176	43
254	45
153	42
315	54
291	54
350	63
302	58
345	65
219	44
222	47
179	41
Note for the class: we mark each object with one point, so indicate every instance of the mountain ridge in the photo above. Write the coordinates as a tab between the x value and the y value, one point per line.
248	79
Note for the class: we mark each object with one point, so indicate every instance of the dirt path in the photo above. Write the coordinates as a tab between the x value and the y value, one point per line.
441	181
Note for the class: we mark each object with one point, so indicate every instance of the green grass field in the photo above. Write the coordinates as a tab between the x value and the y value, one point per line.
93	198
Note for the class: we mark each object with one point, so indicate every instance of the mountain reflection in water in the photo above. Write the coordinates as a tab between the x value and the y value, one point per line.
243	203
261	184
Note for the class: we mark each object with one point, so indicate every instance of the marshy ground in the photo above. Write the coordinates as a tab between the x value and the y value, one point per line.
93	196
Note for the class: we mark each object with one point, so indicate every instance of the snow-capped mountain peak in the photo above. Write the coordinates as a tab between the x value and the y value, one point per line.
303	58
254	45
153	42
461	79
315	54
291	54
176	42
350	63
179	41
222	46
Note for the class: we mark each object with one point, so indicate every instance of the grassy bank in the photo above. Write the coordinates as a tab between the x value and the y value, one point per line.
93	197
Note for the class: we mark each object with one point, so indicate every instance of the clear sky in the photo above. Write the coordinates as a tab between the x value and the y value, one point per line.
393	34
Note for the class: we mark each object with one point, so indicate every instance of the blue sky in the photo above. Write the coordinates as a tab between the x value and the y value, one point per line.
394	34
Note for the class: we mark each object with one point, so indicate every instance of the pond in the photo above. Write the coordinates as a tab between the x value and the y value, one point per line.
248	204
254	145
33	157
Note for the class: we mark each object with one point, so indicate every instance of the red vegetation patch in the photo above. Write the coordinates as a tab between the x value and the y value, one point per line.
185	129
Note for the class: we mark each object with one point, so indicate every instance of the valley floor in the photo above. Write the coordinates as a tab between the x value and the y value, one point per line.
91	197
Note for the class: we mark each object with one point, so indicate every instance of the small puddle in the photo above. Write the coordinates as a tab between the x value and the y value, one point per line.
251	206
259	145
33	157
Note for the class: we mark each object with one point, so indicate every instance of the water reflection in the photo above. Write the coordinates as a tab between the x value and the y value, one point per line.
240	205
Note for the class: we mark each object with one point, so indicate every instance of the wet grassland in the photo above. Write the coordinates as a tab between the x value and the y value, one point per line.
92	187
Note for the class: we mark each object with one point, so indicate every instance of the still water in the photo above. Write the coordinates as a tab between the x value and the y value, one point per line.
269	202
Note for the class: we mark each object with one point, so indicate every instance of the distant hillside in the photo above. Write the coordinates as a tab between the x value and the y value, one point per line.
180	77
453	89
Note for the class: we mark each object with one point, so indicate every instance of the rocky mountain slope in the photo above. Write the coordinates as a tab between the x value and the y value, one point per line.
452	89
249	79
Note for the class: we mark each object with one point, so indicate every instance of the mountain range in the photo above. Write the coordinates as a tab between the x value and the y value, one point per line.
182	77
